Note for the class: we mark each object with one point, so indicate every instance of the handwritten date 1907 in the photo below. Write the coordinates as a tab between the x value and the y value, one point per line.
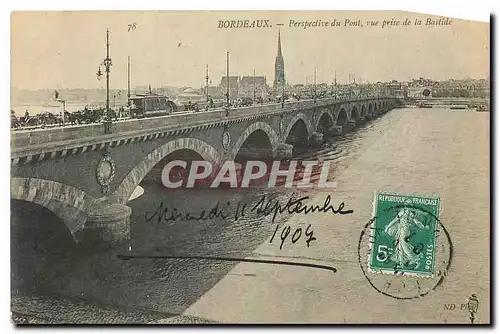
295	237
263	208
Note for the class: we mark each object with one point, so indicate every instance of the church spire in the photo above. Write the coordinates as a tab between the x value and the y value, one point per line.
279	43
279	66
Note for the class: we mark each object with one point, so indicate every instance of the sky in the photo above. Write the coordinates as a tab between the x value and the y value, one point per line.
51	50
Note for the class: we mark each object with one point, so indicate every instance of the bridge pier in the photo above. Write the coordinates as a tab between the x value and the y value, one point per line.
255	153
369	117
360	120
351	124
335	130
284	151
316	139
108	224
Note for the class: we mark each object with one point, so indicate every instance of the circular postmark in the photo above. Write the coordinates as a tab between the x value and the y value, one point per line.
382	258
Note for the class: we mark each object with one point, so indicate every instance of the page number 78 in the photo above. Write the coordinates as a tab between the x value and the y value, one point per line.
132	26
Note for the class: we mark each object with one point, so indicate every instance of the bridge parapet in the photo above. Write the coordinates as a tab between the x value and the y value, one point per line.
47	140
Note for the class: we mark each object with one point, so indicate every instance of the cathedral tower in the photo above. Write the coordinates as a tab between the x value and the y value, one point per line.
279	66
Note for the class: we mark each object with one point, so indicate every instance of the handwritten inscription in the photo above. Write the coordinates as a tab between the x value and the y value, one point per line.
295	236
274	207
262	208
164	214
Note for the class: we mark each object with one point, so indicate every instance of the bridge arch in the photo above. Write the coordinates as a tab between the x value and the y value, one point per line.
342	117
135	176
354	113
70	204
294	120
257	126
324	117
363	110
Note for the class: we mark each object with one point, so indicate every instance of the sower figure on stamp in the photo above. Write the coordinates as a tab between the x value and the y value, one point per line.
400	229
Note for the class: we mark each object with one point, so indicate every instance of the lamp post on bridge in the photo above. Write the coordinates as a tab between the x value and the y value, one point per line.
63	101
315	84
128	81
227	83
254	86
335	86
206	82
107	64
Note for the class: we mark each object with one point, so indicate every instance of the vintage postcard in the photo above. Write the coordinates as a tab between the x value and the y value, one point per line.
249	167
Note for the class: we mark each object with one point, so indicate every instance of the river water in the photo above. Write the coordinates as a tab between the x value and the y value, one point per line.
45	262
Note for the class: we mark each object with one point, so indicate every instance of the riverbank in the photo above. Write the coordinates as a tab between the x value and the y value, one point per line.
46	310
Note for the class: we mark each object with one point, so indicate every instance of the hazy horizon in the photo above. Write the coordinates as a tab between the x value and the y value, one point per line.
179	87
62	50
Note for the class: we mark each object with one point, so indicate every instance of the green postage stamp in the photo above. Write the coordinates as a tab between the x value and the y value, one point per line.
403	236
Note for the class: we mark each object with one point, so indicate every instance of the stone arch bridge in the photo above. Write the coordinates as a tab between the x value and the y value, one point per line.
86	177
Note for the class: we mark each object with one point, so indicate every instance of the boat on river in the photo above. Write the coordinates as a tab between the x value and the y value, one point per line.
425	105
482	108
459	106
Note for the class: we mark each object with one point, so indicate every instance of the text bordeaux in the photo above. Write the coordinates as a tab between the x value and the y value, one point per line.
244	24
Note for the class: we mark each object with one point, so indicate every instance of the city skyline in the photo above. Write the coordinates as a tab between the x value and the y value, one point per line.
216	85
164	52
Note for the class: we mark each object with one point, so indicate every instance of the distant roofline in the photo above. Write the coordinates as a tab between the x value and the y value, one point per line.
147	95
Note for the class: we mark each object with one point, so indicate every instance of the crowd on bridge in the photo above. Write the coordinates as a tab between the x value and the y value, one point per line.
97	115
48	119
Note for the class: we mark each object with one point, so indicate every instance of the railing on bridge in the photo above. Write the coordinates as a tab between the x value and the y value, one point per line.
68	124
75	135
